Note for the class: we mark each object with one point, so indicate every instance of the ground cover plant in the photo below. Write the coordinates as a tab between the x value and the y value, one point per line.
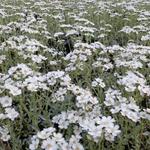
74	75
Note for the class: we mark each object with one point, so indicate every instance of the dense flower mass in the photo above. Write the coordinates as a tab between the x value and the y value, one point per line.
74	75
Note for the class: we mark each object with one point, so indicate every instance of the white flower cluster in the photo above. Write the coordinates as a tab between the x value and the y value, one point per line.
144	90
90	121
128	108
13	87
5	101
84	98
131	80
59	95
10	113
24	45
86	29
36	82
128	30
146	37
13	81
66	118
4	134
104	63
37	58
20	71
98	82
76	57
33	81
51	77
2	58
80	55
145	114
43	82
54	62
133	64
99	126
96	125
48	139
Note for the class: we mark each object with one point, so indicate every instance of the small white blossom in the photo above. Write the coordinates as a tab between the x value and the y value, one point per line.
5	101
4	134
11	113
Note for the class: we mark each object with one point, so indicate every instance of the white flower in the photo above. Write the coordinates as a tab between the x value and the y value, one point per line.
38	58
49	144
145	38
108	66
2	116
45	133
144	90
20	70
145	114
5	101
114	131
106	122
58	137
90	126
94	83
14	90
131	112
4	136
53	62
35	143
11	113
2	58
128	30
133	116
77	146
99	82
58	34
62	120
131	80
72	32
74	144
